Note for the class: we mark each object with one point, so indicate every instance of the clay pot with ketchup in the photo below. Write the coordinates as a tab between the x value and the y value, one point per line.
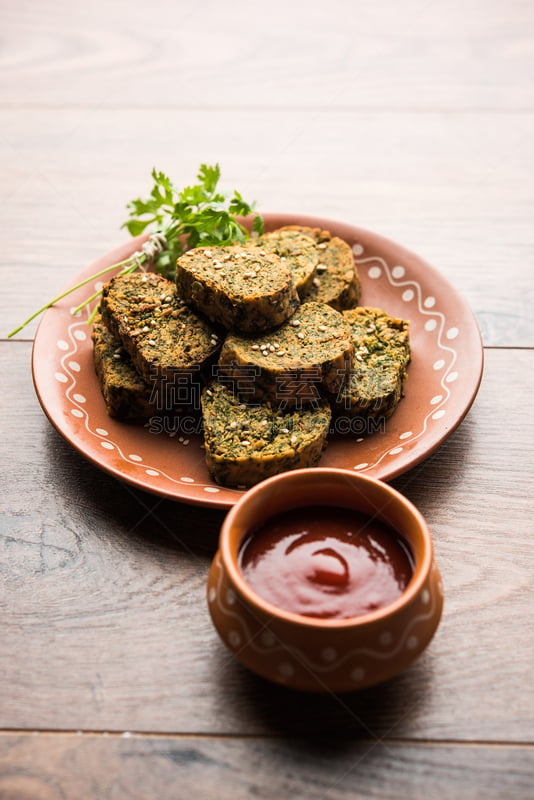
325	580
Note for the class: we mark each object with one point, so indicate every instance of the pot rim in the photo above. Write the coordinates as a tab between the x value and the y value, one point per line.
422	567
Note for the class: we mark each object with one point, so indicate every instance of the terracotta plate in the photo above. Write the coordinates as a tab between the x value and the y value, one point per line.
444	376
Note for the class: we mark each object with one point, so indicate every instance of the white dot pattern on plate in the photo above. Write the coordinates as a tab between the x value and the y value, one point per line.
75	367
76	413
135	457
425	597
102	432
452	333
431	324
429	302
439	364
451	377
62	344
212	594
436	399
408	295
357	674
185	479
363	465
395	451
357	249
374	273
385	638
412	642
80	335
80	398
211	489
398	271
61	378
405	435
438	414
152	472
107	445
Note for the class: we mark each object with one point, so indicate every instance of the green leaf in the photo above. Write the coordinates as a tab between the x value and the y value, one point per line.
209	177
257	225
135	227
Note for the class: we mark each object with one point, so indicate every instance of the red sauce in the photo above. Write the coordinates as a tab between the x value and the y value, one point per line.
326	562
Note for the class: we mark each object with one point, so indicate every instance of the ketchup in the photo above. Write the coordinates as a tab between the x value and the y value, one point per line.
326	562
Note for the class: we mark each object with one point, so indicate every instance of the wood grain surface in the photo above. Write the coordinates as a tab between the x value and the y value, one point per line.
415	120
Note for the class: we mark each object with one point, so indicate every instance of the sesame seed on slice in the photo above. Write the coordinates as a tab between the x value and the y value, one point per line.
322	327
245	442
321	246
152	343
359	357
284	430
233	425
321	267
300	335
255	347
294	322
280	352
207	253
316	282
293	440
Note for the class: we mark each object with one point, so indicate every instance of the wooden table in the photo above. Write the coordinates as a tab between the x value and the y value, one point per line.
413	119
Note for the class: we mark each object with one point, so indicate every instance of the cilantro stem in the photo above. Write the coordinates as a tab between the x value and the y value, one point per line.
127	261
196	215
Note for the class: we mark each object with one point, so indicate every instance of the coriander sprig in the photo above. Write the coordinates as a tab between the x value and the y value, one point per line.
199	215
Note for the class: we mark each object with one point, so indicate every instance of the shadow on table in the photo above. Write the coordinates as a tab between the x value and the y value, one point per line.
84	495
387	710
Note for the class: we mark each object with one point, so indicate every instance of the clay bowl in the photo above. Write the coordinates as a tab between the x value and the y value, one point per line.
313	654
